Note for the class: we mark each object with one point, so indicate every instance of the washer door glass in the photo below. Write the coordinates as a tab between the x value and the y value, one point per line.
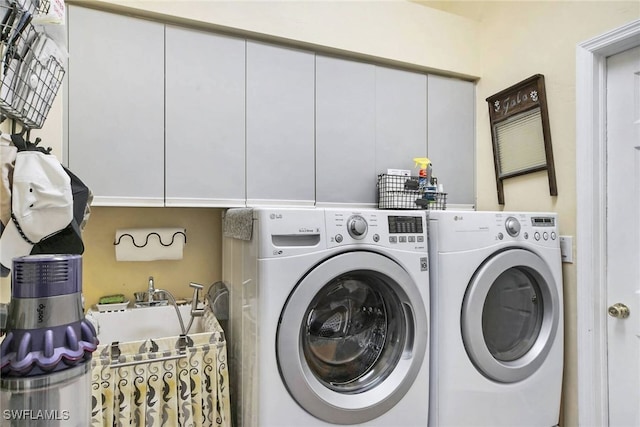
351	327
347	345
510	315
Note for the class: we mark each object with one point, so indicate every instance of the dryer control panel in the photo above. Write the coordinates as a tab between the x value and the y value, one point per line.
468	230
396	229
540	228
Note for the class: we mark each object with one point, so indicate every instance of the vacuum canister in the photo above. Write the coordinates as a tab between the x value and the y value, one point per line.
46	353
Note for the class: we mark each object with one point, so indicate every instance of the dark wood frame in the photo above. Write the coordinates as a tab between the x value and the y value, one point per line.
514	100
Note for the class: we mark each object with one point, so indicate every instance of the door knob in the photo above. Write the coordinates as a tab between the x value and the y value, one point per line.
619	311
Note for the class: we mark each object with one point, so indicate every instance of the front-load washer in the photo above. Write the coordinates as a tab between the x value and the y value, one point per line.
329	315
497	319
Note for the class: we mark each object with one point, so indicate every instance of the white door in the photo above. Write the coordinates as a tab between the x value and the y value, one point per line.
623	243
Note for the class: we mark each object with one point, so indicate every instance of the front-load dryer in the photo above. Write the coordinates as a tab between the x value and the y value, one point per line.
329	317
497	319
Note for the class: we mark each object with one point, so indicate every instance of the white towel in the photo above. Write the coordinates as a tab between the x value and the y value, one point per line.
150	244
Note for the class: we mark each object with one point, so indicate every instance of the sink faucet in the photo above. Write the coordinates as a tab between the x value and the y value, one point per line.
152	289
194	312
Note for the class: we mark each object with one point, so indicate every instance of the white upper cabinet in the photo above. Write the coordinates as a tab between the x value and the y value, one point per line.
161	115
368	119
451	118
401	119
205	119
155	119
345	132
116	107
280	125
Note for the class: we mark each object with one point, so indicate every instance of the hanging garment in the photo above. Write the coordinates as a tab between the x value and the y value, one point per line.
42	209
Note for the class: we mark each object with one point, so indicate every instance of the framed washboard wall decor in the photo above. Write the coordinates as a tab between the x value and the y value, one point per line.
520	132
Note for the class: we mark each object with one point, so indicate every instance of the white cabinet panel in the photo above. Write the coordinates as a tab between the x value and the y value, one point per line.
205	119
163	115
116	106
401	118
345	132
451	137
280	125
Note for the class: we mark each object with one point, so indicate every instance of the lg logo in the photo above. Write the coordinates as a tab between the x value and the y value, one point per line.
458	218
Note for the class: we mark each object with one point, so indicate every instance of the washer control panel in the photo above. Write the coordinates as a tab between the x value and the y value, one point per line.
398	229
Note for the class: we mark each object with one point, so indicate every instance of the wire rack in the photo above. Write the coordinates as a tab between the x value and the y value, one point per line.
31	70
406	192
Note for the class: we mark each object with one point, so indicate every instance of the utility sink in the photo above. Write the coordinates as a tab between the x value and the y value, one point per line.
141	304
137	324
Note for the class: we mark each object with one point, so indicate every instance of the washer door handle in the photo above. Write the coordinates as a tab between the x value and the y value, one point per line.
411	330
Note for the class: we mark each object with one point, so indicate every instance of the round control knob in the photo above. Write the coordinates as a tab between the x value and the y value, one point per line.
512	226
357	227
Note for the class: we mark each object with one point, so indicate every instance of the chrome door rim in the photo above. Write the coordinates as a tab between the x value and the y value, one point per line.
472	310
352	408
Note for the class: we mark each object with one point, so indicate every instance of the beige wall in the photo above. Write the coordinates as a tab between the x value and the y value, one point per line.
201	262
517	40
507	42
103	275
391	30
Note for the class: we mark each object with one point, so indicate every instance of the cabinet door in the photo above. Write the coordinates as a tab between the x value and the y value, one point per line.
116	106
401	119
345	132
451	140
280	125
205	119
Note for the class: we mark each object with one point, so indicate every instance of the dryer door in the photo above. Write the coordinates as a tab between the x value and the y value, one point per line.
352	338
510	315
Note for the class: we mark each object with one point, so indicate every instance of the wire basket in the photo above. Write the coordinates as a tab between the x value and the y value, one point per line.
31	69
405	192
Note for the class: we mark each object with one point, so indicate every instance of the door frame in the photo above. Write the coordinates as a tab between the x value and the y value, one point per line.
591	169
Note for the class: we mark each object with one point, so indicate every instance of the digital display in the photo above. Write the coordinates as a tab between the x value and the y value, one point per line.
405	224
543	221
